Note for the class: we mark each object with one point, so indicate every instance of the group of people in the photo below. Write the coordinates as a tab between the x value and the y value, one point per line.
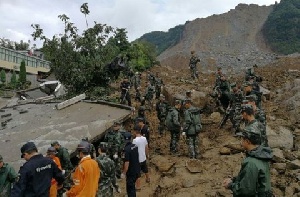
124	154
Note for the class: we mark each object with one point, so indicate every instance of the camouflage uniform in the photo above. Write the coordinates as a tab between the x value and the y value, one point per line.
107	176
192	135
258	127
174	129
149	92
193	66
125	95
151	78
115	141
64	157
136	85
158	85
260	115
162	110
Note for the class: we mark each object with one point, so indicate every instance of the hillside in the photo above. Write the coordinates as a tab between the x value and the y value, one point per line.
230	39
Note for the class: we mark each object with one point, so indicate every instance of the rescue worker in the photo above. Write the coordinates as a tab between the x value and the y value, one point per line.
158	85
64	157
107	179
125	95
137	86
36	174
191	129
193	65
248	91
116	143
145	131
141	114
132	169
86	175
148	96
162	110
92	148
7	177
51	153
174	126
254	176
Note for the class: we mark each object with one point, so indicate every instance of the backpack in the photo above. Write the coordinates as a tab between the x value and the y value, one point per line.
196	120
169	120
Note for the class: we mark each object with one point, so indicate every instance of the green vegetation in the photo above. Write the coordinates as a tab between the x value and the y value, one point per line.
22	74
88	62
3	76
163	40
282	28
13	80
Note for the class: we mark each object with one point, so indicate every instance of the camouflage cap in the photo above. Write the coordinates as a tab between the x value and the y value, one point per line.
117	123
103	145
245	101
250	98
247	108
177	102
54	143
51	150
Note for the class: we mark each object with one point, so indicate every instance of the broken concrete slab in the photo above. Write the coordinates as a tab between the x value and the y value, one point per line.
70	101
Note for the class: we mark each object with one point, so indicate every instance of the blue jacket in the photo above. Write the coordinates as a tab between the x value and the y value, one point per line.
35	177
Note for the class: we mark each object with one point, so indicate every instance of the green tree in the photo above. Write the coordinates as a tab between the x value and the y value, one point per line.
3	76
282	28
22	74
13	79
85	62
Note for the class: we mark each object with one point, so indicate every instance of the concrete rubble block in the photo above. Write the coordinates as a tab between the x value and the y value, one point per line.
293	165
162	164
70	101
280	137
280	167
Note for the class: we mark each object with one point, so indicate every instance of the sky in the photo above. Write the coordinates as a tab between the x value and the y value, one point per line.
136	16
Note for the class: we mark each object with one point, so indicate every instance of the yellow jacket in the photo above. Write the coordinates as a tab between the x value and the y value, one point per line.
85	178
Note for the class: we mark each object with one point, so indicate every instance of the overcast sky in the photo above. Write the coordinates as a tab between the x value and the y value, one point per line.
137	16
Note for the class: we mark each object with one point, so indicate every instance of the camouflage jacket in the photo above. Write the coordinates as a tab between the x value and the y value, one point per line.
64	157
174	121
150	90
236	99
224	86
107	172
162	109
136	81
115	141
158	82
260	115
193	61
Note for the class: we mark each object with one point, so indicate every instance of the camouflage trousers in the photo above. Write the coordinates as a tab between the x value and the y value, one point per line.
161	126
157	91
194	72
105	190
175	135
193	146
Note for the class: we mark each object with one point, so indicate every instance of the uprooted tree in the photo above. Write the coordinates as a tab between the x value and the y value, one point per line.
90	60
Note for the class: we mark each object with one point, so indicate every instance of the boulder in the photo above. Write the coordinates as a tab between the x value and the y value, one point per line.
280	167
280	137
216	117
278	155
293	165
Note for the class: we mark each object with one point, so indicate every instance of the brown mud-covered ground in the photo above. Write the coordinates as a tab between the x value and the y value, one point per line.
178	175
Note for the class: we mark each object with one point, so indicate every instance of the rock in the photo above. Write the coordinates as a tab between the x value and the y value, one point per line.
224	151
188	183
216	117
280	138
293	165
280	167
289	155
278	156
163	164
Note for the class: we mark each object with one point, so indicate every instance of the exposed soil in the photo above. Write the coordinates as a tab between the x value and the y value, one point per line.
212	168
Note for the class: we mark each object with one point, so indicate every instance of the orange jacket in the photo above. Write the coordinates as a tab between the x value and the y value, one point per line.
57	162
85	178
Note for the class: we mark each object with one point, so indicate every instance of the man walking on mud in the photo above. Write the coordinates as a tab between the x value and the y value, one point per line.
193	65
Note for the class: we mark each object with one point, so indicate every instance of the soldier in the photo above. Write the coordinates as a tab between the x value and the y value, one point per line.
64	157
86	175
174	126
158	85
259	115
224	88
191	129
125	95
254	176
162	110
36	174
92	147
107	171
248	91
193	65
137	86
141	114
148	96
151	78
7	177
115	141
